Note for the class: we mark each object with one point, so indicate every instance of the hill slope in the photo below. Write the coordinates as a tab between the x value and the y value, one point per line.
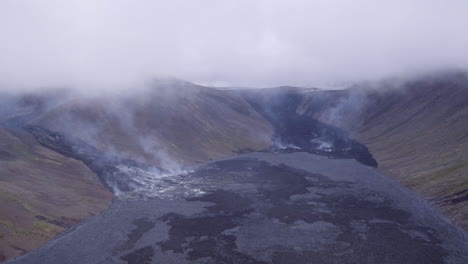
417	130
171	123
41	193
421	137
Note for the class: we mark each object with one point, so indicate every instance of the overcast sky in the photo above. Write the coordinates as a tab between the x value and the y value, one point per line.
115	43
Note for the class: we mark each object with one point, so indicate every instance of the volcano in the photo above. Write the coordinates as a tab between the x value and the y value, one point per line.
206	175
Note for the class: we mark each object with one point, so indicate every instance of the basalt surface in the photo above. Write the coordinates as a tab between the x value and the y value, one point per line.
265	208
296	132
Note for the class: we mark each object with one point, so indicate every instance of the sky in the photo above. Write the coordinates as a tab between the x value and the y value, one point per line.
92	44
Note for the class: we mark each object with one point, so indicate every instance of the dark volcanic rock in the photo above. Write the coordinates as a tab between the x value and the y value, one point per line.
267	208
295	132
140	256
104	165
6	155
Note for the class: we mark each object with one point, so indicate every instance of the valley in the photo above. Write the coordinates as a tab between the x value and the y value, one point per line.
206	175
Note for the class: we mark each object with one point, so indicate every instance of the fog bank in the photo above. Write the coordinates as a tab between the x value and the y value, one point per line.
119	44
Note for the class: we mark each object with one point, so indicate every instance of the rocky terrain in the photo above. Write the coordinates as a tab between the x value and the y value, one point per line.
43	192
146	147
265	208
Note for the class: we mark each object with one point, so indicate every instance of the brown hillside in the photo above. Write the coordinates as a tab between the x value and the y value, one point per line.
42	193
417	130
165	125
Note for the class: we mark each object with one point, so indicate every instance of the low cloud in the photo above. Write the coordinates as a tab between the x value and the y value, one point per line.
108	44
